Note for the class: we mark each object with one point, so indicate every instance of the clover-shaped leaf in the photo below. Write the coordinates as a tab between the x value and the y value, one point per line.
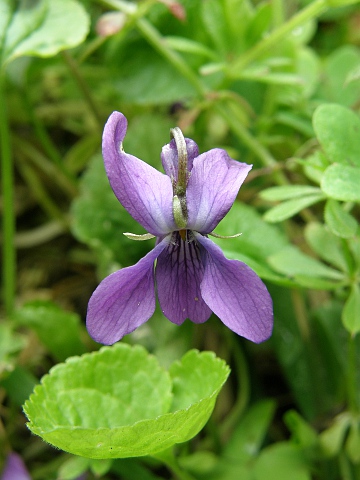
118	402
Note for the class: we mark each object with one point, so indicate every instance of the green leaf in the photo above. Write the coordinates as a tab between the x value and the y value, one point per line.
288	192
43	28
327	245
141	68
249	434
230	26
58	330
245	443
352	446
19	384
300	368
341	182
263	74
338	131
351	312
258	25
73	467
331	439
100	467
315	166
353	75
340	222
246	220
290	208
330	353
187	45
118	402
303	433
335	85
293	262
282	461
130	469
250	247
341	3
10	344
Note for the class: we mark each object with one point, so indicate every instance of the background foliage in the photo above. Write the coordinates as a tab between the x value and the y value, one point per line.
275	83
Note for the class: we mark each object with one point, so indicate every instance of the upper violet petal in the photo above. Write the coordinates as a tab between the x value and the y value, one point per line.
169	157
236	294
212	188
124	300
179	272
14	468
145	192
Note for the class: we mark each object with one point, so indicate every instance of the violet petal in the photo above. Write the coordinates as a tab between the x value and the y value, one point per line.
212	188
169	157
236	294
124	300
145	192
14	468
179	272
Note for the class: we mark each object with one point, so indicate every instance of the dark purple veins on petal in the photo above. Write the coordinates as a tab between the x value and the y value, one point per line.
179	272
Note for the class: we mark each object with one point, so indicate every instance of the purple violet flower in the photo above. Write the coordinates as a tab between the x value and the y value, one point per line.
180	208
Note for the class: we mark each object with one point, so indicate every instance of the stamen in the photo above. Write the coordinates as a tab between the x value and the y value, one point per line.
134	236
216	235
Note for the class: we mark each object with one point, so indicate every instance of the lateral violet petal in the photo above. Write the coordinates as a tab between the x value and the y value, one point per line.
212	188
236	294
179	272
169	157
145	192
124	300
14	468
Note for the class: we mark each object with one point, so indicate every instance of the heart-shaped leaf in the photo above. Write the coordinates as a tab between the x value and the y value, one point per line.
118	402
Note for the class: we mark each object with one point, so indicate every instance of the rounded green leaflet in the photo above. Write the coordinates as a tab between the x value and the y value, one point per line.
118	402
338	131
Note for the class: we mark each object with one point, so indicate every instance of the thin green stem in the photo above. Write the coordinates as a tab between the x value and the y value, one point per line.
351	376
51	169
153	36
159	43
41	194
245	137
244	389
83	87
278	16
308	13
41	133
345	467
7	175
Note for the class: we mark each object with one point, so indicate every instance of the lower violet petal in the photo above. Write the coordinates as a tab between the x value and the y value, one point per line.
236	294
179	272
124	300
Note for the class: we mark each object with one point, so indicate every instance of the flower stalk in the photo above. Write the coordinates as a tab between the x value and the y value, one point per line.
7	176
